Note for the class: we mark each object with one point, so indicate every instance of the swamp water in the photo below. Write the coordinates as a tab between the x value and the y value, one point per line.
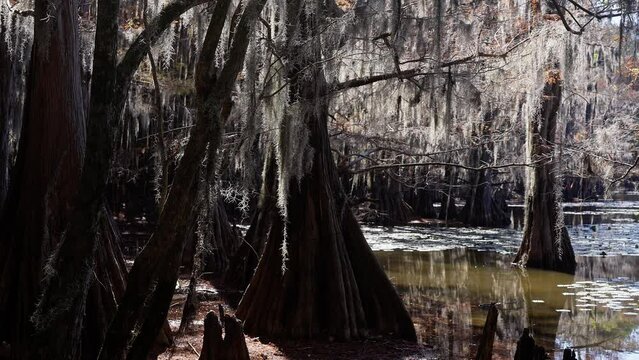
444	275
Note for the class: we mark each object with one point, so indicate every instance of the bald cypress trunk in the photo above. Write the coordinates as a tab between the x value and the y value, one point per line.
50	161
223	240
243	263
484	206
546	243
448	209
421	200
11	93
333	287
7	76
11	96
390	205
231	346
104	292
152	279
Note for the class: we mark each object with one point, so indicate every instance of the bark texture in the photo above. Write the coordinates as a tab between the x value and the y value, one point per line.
448	209
485	350
333	286
421	200
12	74
231	346
392	208
545	244
223	240
49	164
219	241
244	262
484	205
527	349
154	274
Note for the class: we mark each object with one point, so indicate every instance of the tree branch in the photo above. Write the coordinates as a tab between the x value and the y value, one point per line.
142	44
625	175
349	84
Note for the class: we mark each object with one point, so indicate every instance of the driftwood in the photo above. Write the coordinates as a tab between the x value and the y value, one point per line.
485	350
231	346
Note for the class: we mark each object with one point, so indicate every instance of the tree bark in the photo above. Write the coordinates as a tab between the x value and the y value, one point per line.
485	351
223	239
12	92
527	349
245	260
231	346
391	206
50	157
421	200
483	205
448	209
154	274
333	287
63	301
545	244
107	287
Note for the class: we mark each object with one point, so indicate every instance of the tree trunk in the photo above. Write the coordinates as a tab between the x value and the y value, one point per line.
50	161
7	76
11	93
448	209
485	351
245	260
546	243
421	200
62	303
483	205
223	242
391	206
231	346
527	349
12	89
153	276
333	286
107	289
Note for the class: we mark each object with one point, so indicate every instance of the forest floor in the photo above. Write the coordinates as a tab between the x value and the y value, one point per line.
188	345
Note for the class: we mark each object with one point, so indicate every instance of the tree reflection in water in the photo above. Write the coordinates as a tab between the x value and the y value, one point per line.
443	291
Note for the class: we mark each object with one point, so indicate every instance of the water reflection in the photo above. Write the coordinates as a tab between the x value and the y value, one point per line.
443	291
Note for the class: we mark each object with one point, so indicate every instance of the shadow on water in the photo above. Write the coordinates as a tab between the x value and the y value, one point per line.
596	308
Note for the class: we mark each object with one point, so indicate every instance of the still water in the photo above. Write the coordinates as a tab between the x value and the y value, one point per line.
445	274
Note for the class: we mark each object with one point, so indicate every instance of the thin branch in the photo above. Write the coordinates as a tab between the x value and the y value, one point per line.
483	55
562	17
628	170
349	84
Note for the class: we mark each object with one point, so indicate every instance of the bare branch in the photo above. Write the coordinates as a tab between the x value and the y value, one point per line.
628	170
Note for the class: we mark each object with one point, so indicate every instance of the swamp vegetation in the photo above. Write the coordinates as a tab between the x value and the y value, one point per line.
284	179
